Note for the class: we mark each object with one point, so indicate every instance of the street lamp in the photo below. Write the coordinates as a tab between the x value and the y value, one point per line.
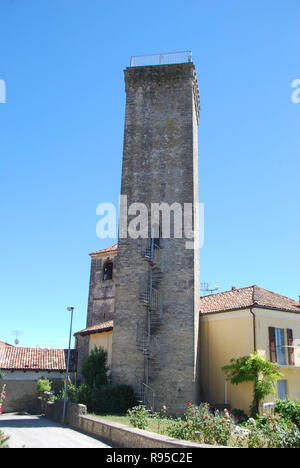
70	309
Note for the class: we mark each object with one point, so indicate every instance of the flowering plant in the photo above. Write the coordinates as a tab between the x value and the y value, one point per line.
3	440
202	425
139	417
2	398
273	431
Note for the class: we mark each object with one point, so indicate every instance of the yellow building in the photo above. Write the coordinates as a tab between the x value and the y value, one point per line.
99	335
238	322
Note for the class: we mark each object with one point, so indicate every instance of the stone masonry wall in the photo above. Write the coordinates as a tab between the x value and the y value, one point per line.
100	303
160	165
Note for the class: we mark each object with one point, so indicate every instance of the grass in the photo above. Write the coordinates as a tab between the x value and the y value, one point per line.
157	426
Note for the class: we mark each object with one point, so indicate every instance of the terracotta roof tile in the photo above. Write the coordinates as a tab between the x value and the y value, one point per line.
98	328
19	358
112	248
252	296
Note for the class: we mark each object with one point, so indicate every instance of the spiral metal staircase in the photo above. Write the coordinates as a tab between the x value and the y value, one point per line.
147	341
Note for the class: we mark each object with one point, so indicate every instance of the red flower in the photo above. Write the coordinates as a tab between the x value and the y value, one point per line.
225	410
189	403
211	424
205	417
187	424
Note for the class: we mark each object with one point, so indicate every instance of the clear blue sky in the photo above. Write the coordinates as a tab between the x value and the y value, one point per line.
61	137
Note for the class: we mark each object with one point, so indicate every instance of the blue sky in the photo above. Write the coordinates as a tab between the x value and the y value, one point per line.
61	137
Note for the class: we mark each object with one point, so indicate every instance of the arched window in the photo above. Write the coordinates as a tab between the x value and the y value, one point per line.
107	270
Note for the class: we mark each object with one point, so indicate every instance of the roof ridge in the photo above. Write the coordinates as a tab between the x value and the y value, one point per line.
277	294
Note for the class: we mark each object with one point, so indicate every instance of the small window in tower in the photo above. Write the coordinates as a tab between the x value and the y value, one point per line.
107	271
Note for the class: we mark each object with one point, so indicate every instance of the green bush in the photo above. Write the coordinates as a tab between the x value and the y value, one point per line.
273	432
139	417
120	398
107	399
96	393
200	424
43	385
95	369
290	410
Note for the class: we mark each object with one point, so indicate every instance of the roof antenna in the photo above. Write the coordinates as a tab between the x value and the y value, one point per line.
205	288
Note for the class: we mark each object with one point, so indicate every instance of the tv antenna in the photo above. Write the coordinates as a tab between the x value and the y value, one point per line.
16	333
206	289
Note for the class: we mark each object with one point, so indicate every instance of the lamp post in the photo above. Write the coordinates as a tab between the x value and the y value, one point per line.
70	309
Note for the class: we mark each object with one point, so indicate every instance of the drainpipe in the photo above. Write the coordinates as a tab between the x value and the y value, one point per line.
254	331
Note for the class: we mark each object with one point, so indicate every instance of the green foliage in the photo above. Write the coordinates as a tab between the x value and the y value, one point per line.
159	417
2	397
1	374
254	368
96	393
202	425
139	417
2	394
95	369
289	410
121	398
107	399
3	440
238	413
273	432
43	385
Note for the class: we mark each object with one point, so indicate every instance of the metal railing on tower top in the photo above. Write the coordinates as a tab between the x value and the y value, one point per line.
161	59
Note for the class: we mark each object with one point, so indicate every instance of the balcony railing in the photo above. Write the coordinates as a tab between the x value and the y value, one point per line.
161	59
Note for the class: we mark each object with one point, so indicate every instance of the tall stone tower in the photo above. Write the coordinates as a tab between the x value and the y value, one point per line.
155	338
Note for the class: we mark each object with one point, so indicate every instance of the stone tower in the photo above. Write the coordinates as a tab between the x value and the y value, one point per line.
101	300
155	338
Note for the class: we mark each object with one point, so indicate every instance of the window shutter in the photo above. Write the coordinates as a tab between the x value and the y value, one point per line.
272	344
291	357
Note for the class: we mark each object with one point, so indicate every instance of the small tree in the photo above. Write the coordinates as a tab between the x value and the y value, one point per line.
43	385
95	369
254	368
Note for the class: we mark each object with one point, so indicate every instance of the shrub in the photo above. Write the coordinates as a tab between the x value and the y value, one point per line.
199	424
290	410
273	432
179	429
239	414
43	385
107	399
95	369
139	417
120	397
